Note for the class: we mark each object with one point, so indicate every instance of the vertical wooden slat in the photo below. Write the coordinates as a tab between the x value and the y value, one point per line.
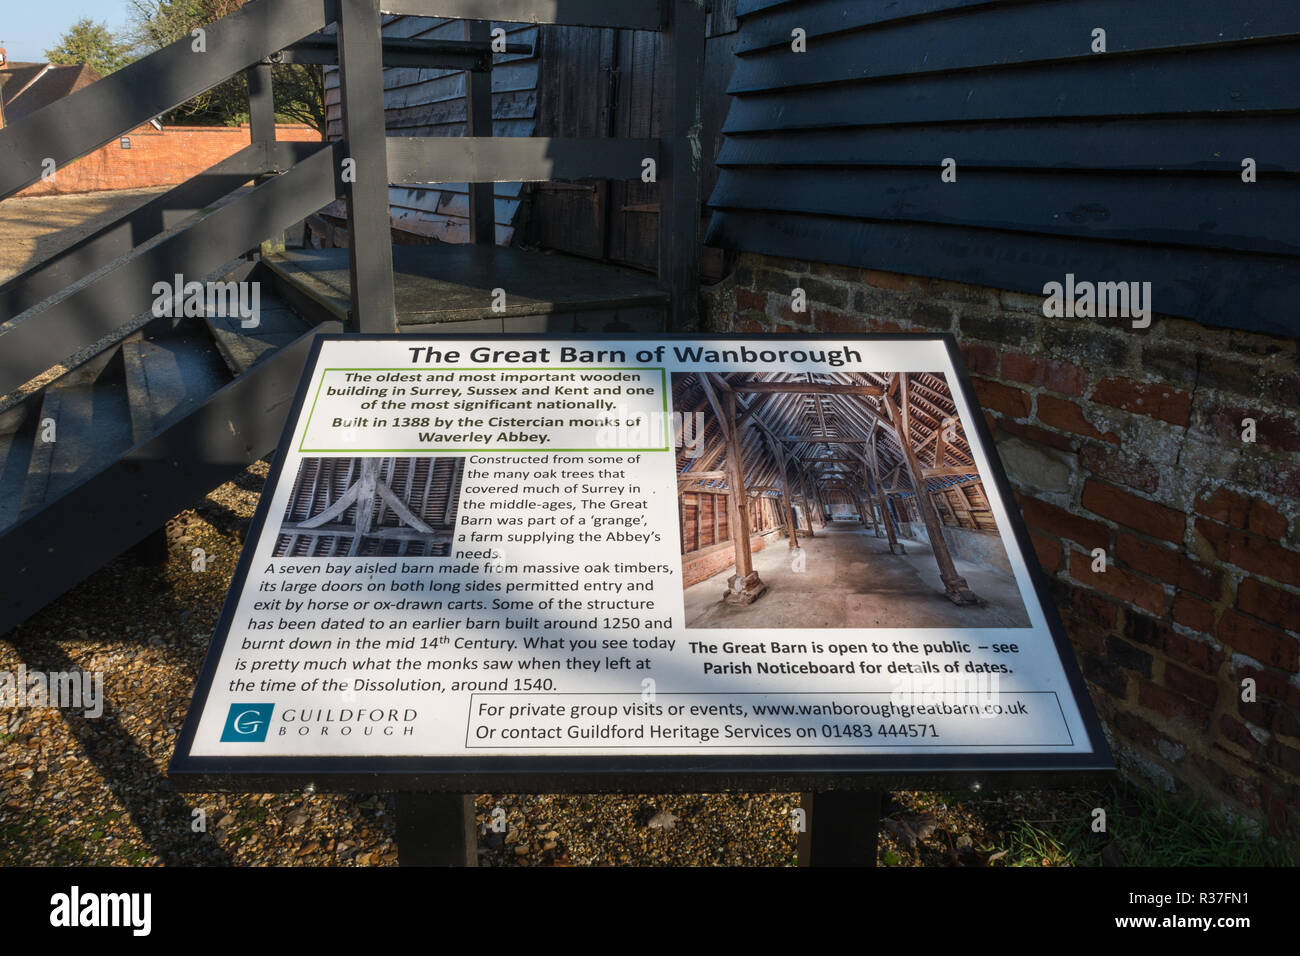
370	247
679	162
478	116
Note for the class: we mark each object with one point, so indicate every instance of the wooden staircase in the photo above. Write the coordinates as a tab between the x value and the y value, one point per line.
166	408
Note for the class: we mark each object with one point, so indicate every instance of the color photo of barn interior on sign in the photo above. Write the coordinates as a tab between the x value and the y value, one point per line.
477	554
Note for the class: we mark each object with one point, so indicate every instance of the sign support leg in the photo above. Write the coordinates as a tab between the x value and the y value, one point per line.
436	829
840	828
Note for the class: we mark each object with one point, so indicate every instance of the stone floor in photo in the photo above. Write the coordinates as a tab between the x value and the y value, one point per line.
849	579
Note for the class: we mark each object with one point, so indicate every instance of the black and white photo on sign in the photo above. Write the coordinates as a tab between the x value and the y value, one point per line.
365	506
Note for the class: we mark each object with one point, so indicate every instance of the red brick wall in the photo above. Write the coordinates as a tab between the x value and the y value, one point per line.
701	565
165	158
1127	440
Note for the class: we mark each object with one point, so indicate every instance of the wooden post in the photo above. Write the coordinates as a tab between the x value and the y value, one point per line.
436	829
261	132
745	586
787	506
841	828
478	116
683	40
954	584
365	181
807	503
261	105
862	512
788	519
895	546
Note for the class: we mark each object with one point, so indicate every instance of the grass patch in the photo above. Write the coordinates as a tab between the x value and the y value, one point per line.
1143	828
1167	831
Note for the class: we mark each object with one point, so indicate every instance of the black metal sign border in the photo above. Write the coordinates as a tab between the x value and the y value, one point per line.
684	773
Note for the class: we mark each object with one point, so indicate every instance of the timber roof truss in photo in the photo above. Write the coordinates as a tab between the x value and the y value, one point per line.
371	506
813	433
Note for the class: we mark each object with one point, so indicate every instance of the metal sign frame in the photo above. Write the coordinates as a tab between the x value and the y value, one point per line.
643	773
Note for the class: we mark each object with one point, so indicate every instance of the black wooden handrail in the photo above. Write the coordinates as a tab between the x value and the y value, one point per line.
143	223
482	159
77	124
622	14
108	302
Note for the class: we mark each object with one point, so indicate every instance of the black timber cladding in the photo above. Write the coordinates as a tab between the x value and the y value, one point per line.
1116	166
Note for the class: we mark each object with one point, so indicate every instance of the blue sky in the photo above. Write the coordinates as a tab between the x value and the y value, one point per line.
30	27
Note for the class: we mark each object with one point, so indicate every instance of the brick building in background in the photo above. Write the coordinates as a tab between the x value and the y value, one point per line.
152	155
1128	439
26	87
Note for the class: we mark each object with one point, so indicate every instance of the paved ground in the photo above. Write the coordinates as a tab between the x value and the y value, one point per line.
849	579
33	228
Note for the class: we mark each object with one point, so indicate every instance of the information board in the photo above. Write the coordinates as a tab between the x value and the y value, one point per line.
479	558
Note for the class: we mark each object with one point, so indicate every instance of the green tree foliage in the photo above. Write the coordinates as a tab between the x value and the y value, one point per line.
93	44
299	88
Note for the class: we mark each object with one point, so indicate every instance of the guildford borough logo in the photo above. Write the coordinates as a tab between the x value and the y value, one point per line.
247	724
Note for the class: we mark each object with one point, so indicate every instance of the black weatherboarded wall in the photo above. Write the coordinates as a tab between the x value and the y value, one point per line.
1117	166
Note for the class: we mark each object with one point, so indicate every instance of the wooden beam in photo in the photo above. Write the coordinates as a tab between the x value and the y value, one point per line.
807	388
745	586
955	585
887	519
787	507
823	439
751	416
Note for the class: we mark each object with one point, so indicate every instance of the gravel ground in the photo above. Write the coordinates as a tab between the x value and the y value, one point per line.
75	790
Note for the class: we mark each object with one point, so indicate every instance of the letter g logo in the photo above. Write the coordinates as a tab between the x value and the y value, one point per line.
247	723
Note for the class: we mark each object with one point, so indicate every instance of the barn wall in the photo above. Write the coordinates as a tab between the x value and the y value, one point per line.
421	102
612	83
1130	441
1120	166
578	82
983	548
704	522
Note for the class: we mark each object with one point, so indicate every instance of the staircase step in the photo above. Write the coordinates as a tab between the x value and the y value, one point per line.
243	348
19	425
167	377
92	427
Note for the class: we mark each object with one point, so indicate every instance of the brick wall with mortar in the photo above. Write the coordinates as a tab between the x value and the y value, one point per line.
156	158
1128	440
702	565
